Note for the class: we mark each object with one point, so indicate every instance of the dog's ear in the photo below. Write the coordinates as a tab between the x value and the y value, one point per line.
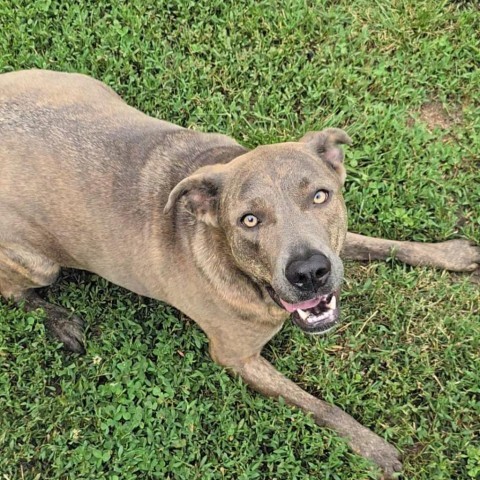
200	192
326	145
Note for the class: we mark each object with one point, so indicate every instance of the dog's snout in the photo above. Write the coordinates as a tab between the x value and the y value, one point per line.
309	273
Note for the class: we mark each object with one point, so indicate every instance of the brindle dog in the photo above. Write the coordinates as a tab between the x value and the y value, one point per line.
238	240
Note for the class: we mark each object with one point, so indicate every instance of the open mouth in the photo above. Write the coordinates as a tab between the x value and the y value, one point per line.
316	316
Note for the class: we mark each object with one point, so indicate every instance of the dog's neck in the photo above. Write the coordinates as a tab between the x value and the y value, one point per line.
177	156
188	151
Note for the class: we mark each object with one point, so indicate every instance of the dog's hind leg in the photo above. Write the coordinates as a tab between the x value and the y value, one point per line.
455	255
22	270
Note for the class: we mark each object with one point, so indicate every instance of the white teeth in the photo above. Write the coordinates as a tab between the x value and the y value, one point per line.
304	315
333	303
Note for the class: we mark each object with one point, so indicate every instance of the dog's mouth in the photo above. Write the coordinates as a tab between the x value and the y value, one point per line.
316	316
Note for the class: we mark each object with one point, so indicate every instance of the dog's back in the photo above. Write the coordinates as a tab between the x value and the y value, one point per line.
80	171
74	118
68	158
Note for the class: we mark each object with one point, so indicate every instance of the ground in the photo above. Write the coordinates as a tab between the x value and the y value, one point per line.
145	401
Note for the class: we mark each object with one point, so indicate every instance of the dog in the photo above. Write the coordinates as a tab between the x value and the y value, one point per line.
239	240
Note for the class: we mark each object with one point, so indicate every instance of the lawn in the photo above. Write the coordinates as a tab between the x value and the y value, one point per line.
146	402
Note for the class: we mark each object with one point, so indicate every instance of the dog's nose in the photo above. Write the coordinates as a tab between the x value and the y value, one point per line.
309	273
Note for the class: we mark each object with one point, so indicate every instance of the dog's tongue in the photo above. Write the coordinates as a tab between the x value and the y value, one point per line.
291	307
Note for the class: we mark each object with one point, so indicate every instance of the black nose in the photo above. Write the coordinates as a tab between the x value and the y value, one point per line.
309	273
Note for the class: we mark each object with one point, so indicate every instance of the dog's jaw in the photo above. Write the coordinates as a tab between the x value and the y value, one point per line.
321	318
318	315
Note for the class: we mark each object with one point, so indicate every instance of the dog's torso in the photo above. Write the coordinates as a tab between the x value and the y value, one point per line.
102	172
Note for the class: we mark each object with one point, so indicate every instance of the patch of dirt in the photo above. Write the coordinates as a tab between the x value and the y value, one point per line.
434	115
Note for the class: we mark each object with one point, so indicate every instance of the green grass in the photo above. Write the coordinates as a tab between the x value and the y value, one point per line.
146	401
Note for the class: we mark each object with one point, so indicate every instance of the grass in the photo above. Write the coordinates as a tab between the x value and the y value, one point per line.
146	401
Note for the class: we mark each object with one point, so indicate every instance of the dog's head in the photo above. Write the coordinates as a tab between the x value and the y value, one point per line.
282	213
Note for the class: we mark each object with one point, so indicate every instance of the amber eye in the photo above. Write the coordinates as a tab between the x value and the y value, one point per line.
320	197
250	220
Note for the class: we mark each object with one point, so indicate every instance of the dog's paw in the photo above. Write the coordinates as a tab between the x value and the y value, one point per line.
475	278
384	455
456	255
67	329
387	458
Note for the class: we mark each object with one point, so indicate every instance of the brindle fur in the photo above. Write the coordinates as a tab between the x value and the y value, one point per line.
88	182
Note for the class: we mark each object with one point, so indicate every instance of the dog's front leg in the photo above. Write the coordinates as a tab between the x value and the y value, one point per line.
455	255
264	378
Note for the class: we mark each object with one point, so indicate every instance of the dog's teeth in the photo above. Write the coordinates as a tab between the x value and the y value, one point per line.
304	315
333	303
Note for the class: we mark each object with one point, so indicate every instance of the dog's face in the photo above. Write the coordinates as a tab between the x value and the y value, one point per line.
283	216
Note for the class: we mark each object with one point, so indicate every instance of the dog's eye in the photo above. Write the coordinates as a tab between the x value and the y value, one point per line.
250	220
320	197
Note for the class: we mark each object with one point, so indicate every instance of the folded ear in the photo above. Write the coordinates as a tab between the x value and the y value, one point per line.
201	193
326	145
